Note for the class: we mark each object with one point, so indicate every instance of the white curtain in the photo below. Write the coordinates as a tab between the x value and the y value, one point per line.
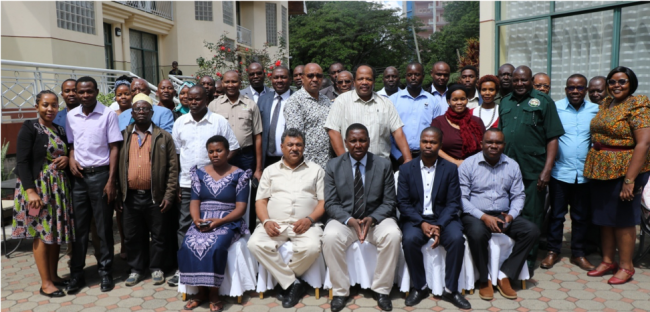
519	9
635	43
525	44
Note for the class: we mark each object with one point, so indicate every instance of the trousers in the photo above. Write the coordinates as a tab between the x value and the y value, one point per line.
562	196
534	212
140	218
184	217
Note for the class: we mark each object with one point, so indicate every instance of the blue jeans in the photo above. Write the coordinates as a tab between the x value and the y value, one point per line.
245	160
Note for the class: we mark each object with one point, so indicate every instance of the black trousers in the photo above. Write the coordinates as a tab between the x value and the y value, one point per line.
522	231
141	217
562	196
451	238
89	201
184	216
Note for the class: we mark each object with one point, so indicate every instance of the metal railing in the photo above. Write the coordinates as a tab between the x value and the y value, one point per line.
163	9
244	36
22	81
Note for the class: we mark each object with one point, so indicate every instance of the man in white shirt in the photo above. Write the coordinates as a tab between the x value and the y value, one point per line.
391	82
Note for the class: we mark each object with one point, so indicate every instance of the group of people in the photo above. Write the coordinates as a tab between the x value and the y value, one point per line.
318	164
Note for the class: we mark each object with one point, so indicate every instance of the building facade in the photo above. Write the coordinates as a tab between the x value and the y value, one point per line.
428	12
561	38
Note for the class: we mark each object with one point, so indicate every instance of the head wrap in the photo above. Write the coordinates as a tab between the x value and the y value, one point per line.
122	82
142	97
180	107
186	84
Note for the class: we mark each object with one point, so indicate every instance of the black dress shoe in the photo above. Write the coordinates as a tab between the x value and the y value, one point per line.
383	301
415	296
292	297
107	283
338	303
62	283
58	293
75	285
456	299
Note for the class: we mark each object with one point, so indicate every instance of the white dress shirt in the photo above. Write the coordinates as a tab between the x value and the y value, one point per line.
256	95
190	137
428	175
281	122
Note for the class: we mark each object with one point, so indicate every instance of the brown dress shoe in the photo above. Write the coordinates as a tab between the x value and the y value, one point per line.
583	263
551	259
485	291
503	285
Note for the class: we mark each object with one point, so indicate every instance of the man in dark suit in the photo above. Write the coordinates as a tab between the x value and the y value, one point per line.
360	202
428	198
256	78
271	106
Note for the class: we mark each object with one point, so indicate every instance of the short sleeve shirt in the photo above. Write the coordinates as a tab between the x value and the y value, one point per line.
527	125
243	117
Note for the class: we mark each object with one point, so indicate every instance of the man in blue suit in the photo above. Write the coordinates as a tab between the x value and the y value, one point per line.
271	105
429	201
162	117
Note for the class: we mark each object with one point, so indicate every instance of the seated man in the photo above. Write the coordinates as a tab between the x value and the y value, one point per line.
289	202
360	201
493	196
428	198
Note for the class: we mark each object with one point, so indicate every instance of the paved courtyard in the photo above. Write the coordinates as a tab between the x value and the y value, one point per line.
562	288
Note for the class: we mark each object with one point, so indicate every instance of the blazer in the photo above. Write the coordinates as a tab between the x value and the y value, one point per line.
446	195
247	92
162	117
31	150
379	188
265	104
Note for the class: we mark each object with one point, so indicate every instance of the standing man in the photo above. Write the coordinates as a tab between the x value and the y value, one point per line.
360	201
542	83
597	89
531	126
391	82
345	82
428	198
256	78
166	94
468	77
505	81
307	111
297	76
244	119
209	85
162	116
148	186
333	91
271	107
370	109
69	95
416	109
94	137
191	131
175	70
568	186
440	73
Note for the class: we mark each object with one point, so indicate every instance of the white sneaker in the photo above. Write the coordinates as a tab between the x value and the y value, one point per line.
158	277
133	279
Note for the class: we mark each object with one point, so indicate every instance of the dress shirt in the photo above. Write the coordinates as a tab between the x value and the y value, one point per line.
476	101
190	137
416	114
428	177
378	115
575	142
61	118
90	135
139	165
162	117
293	193
383	93
485	188
243	117
281	122
362	170
256	95
440	99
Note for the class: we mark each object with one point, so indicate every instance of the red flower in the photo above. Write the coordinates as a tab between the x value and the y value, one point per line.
246	49
228	50
241	63
223	48
218	74
278	63
269	75
271	67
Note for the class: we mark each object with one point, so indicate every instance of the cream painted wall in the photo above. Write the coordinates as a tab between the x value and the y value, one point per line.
487	37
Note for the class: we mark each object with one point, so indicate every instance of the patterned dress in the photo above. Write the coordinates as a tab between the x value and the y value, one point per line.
54	224
202	257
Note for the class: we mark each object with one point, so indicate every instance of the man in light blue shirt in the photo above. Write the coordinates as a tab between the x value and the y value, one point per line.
416	108
568	186
162	117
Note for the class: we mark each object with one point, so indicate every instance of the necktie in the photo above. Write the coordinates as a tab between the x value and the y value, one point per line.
359	205
274	124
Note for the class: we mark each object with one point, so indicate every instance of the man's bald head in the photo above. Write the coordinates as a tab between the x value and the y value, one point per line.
522	80
312	79
139	85
440	74
597	89
505	78
542	83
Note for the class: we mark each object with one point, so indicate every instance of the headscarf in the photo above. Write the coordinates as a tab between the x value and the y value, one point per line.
122	82
180	108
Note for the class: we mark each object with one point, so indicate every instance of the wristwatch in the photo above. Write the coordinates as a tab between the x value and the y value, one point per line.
628	181
311	220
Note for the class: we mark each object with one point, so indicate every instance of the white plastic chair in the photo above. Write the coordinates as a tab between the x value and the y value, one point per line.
434	268
500	248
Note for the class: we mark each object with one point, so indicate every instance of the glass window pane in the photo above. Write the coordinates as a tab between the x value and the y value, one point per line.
524	44
271	24
581	44
135	39
578	5
228	13
635	44
520	9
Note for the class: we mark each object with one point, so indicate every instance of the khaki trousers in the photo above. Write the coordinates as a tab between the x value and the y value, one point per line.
306	249
338	237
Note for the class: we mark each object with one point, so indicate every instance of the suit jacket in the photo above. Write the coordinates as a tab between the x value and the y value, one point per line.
247	92
379	188
265	104
162	117
446	195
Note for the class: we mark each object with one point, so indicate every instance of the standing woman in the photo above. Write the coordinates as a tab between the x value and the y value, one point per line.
184	106
461	132
488	112
618	165
43	204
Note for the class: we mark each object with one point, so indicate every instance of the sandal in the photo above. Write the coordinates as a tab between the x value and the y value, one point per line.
216	306
190	304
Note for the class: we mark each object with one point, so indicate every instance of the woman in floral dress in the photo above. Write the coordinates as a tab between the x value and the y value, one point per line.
42	202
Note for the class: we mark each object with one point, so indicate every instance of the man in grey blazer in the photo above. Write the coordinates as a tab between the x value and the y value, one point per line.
271	107
256	78
360	201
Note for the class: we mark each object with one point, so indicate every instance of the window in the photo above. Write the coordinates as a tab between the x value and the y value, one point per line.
576	5
76	15
285	33
524	44
635	43
108	46
228	13
203	10
144	55
271	24
520	9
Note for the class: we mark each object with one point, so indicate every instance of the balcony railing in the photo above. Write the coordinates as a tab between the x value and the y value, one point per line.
159	8
244	36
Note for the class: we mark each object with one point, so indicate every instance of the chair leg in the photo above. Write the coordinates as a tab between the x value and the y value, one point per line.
239	299
317	291
523	284
261	295
331	294
184	296
462	292
640	252
471	291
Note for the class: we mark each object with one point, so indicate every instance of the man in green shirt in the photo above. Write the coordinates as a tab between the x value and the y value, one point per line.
531	125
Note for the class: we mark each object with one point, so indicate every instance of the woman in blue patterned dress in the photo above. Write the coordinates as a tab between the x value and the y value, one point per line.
218	203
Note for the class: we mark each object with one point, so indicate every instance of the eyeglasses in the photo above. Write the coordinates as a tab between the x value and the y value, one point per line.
621	82
539	85
574	88
311	76
344	81
141	109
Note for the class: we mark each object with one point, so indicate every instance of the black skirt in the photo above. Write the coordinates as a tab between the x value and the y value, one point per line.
609	209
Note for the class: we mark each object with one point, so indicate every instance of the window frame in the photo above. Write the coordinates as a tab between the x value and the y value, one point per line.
76	21
203	11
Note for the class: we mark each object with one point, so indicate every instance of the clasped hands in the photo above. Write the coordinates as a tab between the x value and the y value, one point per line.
431	231
361	227
299	227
